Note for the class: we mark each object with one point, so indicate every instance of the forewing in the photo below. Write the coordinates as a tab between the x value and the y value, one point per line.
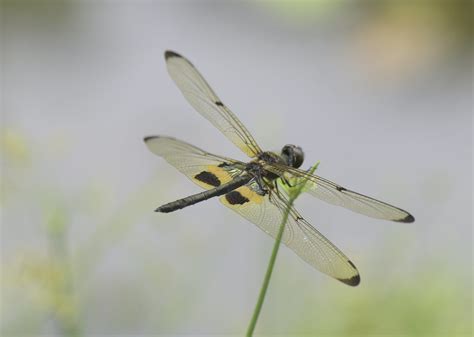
266	211
203	168
337	195
200	95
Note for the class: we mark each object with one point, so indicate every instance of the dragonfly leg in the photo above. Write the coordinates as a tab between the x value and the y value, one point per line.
277	189
260	184
286	181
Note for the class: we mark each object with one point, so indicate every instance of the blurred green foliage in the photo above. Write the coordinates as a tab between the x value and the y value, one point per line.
40	283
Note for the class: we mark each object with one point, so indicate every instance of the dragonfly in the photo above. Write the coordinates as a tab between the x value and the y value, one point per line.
258	189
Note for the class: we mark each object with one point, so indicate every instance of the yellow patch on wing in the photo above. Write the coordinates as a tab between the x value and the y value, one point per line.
241	196
247	150
222	174
250	194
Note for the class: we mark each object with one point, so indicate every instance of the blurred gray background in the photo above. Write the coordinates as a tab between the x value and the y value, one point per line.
379	92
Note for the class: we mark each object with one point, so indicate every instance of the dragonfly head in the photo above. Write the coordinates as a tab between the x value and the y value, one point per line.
292	155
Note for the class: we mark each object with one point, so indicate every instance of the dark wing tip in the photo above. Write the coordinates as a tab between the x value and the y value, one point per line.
353	281
409	218
170	54
148	138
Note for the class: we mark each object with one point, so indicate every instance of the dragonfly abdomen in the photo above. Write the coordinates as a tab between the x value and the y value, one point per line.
195	198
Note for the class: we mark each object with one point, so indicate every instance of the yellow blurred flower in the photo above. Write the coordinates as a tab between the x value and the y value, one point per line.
14	146
44	282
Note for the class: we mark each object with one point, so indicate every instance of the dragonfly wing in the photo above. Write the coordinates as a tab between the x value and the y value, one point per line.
203	168
267	212
200	95
337	195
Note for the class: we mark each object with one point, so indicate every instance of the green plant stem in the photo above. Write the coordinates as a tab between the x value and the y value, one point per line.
294	193
268	275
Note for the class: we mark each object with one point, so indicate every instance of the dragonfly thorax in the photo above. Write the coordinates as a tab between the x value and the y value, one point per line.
292	155
271	158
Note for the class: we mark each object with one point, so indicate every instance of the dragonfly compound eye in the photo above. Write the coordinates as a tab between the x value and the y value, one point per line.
293	155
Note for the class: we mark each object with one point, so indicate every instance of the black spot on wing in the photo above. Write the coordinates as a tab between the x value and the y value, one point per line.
219	103
208	178
340	188
235	198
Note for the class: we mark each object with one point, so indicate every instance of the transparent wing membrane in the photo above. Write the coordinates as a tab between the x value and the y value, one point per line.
267	213
200	95
337	195
203	168
318	251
